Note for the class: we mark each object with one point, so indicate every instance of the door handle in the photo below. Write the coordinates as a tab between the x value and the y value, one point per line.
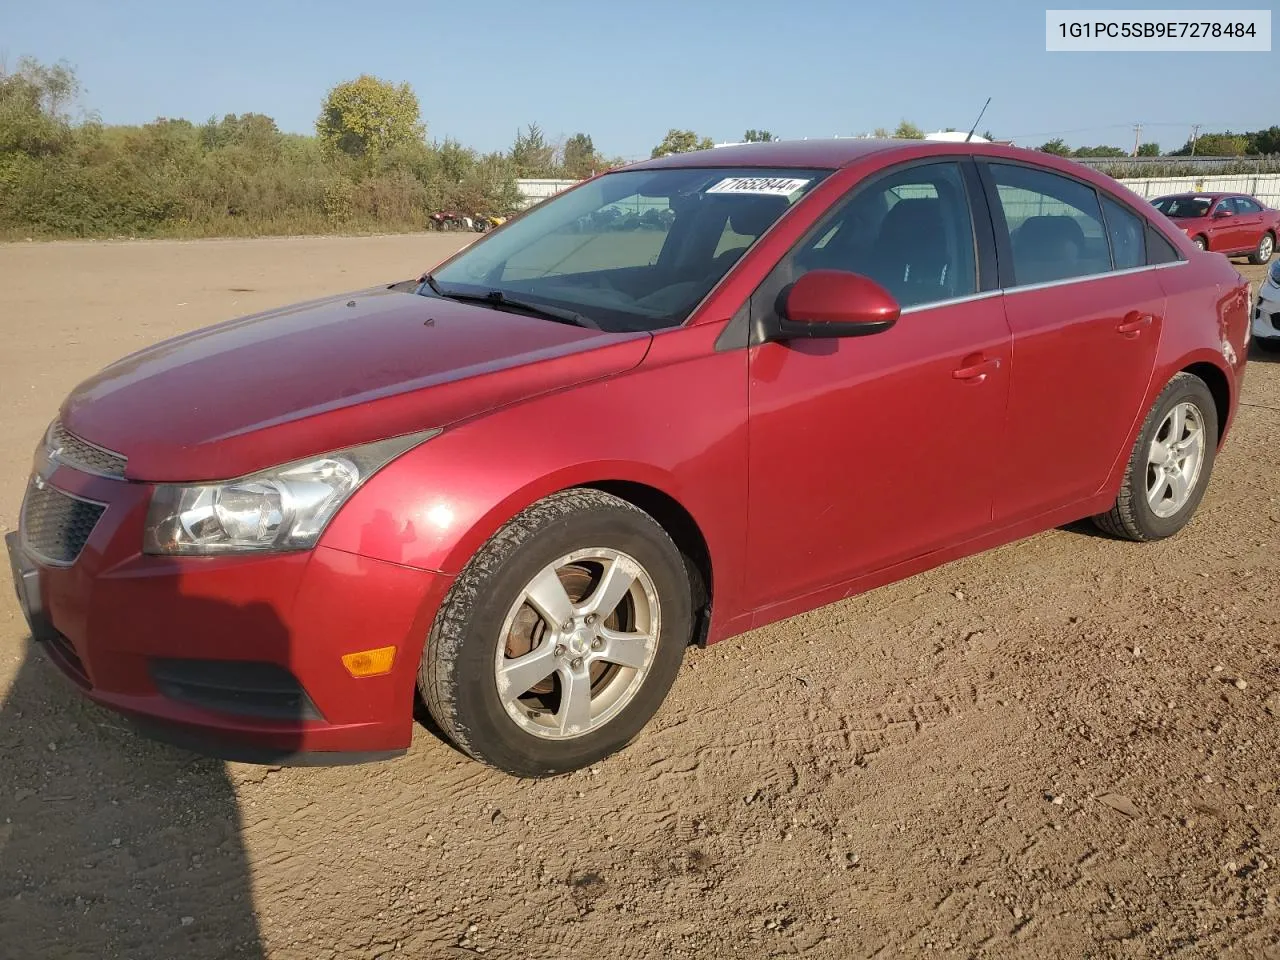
1134	323
976	369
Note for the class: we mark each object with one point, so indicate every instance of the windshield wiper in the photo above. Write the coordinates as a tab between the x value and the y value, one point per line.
499	300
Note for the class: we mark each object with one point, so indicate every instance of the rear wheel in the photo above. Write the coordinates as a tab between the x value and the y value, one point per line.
1266	247
1169	466
561	638
1267	344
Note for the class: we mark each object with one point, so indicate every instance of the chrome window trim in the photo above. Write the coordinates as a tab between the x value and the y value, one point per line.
917	308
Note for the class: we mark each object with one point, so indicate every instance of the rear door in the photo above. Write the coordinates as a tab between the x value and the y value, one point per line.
1085	312
870	450
1250	220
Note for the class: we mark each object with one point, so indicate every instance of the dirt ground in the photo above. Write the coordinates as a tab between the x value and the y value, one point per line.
1063	748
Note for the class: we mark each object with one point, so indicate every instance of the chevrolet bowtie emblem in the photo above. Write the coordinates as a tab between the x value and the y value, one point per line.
46	463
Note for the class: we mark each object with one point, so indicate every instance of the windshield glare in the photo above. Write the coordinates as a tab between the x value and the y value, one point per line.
1185	207
634	250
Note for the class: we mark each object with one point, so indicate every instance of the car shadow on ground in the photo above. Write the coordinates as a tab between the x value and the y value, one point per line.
1258	355
111	844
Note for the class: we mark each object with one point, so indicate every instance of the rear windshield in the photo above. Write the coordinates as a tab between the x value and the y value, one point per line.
1184	207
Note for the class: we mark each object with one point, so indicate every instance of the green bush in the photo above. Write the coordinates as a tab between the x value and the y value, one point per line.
237	176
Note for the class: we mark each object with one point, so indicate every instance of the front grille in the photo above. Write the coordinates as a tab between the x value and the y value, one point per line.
55	525
244	687
66	447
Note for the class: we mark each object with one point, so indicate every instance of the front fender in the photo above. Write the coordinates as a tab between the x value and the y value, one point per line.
676	423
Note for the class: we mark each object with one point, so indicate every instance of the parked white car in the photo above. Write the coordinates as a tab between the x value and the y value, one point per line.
1266	314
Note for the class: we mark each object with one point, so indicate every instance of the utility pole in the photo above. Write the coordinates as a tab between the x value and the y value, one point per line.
1137	137
1195	132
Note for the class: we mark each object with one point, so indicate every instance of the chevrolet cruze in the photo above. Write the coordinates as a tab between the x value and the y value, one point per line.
677	402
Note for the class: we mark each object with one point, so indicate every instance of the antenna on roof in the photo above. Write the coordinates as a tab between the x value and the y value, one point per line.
978	121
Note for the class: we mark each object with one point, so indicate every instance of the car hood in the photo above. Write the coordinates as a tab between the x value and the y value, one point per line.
266	389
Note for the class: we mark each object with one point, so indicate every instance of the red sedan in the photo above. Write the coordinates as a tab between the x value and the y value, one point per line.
522	486
1228	223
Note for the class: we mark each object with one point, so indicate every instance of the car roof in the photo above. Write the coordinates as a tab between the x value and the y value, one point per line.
1202	194
831	154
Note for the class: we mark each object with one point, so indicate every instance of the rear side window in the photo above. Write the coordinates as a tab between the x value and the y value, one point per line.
1126	231
1055	225
1159	249
1247	205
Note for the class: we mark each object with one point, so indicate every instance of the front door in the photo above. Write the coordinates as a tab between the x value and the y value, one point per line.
872	450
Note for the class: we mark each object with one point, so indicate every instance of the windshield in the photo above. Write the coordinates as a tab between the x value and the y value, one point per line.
634	250
1185	207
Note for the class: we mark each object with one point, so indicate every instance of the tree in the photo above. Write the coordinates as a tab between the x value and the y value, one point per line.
1215	145
33	102
532	155
1057	146
580	157
881	133
907	130
366	117
758	136
681	141
1099	151
1265	141
1149	150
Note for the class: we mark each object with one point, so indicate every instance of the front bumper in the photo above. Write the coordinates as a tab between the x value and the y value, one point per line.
1266	313
238	657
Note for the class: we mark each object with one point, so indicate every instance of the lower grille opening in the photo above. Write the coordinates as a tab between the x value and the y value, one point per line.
242	687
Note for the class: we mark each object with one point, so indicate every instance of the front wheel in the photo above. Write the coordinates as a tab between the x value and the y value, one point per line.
1266	247
561	637
1169	466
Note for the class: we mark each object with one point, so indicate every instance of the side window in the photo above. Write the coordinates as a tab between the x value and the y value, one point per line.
1159	249
1127	233
1055	225
1226	203
1247	205
910	231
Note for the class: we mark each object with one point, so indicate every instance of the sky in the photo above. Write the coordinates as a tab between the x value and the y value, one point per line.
627	72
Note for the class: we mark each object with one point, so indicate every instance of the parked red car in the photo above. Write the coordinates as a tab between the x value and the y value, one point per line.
1228	223
522	486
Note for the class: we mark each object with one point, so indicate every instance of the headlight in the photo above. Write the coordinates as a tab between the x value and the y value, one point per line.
283	508
1274	273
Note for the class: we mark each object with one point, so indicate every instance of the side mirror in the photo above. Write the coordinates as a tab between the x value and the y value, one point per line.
835	303
1223	212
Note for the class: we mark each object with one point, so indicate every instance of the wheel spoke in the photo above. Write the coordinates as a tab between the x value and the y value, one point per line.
1158	453
1186	447
1178	487
520	674
547	595
575	701
624	649
1177	420
618	577
1155	492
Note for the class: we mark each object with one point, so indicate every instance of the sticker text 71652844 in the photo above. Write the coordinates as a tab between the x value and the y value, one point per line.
770	186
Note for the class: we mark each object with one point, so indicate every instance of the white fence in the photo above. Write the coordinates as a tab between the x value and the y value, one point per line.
1264	186
535	191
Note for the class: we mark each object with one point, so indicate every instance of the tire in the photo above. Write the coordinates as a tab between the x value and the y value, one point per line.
1266	247
1267	344
1201	242
1135	516
488	608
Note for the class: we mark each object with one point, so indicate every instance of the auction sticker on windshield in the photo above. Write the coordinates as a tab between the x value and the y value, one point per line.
771	186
